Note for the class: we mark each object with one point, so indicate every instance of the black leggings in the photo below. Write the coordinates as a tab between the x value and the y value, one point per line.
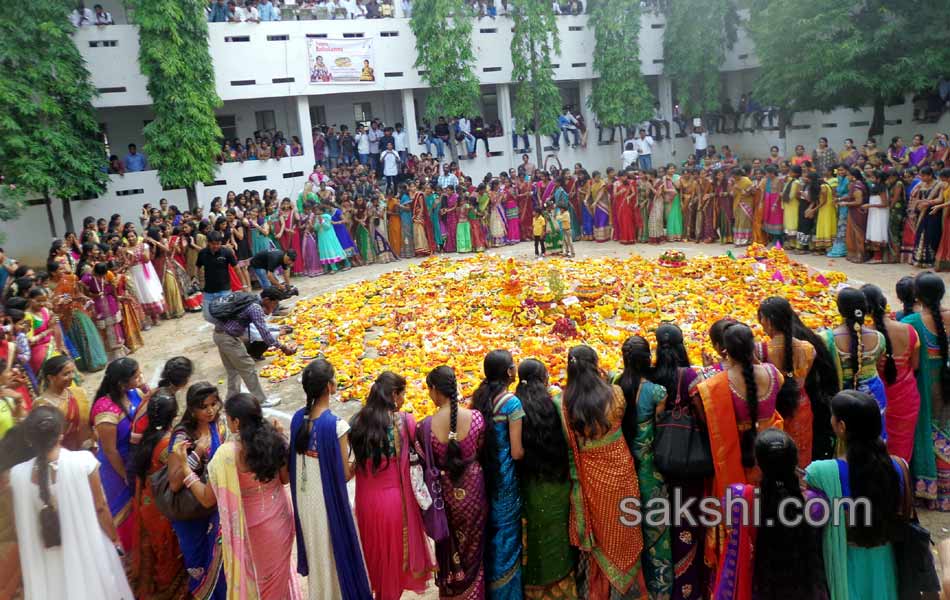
538	240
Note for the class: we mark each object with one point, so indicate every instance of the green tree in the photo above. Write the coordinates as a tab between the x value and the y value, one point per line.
49	136
620	94
11	203
697	35
182	140
445	54
854	54
534	41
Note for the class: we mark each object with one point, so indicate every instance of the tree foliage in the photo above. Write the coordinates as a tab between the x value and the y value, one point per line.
182	140
853	53
620	95
445	54
49	136
697	35
534	41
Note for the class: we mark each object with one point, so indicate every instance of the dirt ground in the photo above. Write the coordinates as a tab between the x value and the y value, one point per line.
191	336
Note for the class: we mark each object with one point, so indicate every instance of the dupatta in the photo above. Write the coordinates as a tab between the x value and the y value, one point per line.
824	475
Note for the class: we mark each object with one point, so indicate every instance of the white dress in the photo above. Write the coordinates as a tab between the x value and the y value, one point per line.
877	228
85	566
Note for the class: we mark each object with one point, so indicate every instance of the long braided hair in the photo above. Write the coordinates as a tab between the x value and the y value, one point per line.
930	290
443	380
498	376
877	306
853	306
781	316
370	429
740	345
545	449
636	368
44	426
316	380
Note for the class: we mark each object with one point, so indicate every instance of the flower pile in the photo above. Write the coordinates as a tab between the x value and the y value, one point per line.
448	311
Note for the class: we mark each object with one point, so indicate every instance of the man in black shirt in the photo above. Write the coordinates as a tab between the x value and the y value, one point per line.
215	259
266	262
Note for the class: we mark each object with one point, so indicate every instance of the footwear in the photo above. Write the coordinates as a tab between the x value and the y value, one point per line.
269	402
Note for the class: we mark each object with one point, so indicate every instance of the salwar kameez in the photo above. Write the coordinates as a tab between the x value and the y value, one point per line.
826	225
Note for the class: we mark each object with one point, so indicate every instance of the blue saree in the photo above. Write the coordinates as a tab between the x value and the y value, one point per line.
503	556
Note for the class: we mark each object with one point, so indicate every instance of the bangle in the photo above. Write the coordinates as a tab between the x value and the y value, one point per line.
190	479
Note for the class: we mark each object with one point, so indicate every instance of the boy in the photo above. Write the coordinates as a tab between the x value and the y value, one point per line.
564	220
539	225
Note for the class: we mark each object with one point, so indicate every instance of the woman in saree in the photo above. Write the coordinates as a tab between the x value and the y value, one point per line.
723	199
826	222
644	204
900	361
778	560
71	301
502	448
288	223
157	567
200	431
421	227
942	210
758	208
773	220
600	199
394	224
133	316
408	230
108	316
583	191
512	216
390	523
475	225
246	481
523	195
625	195
433	206
794	358
669	191
328	547
361	229
456	436
148	287
839	248
791	195
58	388
643	400
449	217
497	221
859	560
308	240
162	263
743	191
602	475
708	219
117	399
341	226
43	330
930	460
897	217
550	562
857	217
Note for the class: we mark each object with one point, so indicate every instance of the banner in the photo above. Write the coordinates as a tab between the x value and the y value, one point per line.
341	61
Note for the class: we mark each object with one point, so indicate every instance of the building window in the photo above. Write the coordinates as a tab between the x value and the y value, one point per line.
489	106
318	115
362	112
266	121
228	125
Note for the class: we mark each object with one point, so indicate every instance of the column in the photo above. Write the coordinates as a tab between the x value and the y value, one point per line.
665	93
306	133
409	122
503	95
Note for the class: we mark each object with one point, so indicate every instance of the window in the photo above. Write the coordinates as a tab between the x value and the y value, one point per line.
362	112
489	106
228	125
318	115
266	121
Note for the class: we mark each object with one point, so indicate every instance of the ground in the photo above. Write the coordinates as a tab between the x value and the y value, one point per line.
191	336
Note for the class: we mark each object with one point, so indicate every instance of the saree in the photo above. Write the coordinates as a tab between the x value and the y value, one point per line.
449	220
503	534
839	248
497	222
394	225
552	235
742	208
707	216
308	246
433	205
857	225
587	212
322	512
866	379
514	223
78	325
773	215
330	251
407	243
133	317
895	223
200	540
526	209
603	231
157	565
174	298
74	409
734	579
148	287
460	556
674	219
644	191
656	228
626	223
117	490
342	234
942	255
799	425
602	475
421	228
826	225
726	216
108	317
42	336
930	438
364	241
790	201
758	215
903	401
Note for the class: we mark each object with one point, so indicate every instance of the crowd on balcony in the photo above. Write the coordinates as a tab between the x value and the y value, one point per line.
256	11
83	17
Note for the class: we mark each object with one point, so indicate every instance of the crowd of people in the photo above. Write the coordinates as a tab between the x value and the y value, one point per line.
522	492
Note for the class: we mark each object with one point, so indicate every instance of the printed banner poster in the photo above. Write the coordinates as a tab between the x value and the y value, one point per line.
341	61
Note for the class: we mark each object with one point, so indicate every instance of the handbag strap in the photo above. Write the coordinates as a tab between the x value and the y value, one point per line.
427	443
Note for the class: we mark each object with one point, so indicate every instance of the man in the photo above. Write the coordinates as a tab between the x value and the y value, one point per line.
526	168
442	138
250	11
134	161
102	17
267	11
644	148
374	136
215	260
629	156
218	13
516	133
238	364
266	262
333	148
235	13
699	142
347	147
81	16
362	145
386	140
465	132
658	123
390	161
567	123
402	143
447	178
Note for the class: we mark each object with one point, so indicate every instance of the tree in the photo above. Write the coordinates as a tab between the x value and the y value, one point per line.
534	40
49	136
11	203
854	53
445	54
182	140
695	40
620	95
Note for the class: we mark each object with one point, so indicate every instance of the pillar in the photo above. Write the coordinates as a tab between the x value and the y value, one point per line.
665	93
409	121
306	133
503	95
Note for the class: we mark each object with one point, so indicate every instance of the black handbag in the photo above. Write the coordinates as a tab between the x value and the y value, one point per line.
916	572
681	448
176	506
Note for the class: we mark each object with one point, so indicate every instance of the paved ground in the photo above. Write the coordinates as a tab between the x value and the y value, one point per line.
191	336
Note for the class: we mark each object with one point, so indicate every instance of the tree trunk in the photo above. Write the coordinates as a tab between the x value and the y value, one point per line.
192	198
68	216
537	146
877	119
49	214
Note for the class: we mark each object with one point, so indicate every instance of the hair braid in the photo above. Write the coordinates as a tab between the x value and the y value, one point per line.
934	309
752	401
890	369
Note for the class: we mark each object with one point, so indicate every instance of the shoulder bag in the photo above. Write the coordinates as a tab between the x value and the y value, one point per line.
434	519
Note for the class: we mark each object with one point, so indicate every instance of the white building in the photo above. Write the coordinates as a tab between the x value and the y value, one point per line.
262	76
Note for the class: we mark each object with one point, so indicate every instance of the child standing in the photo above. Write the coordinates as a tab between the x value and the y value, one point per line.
463	230
538	227
564	220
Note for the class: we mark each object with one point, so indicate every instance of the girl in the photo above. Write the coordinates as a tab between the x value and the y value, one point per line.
791	197
341	227
70	308
328	548
174	307
604	475
502	448
287	233
455	436
390	523
878	229
855	237
108	317
423	243
308	242
407	224
723	198
463	231
361	232
331	252
897	366
826	221
245	480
